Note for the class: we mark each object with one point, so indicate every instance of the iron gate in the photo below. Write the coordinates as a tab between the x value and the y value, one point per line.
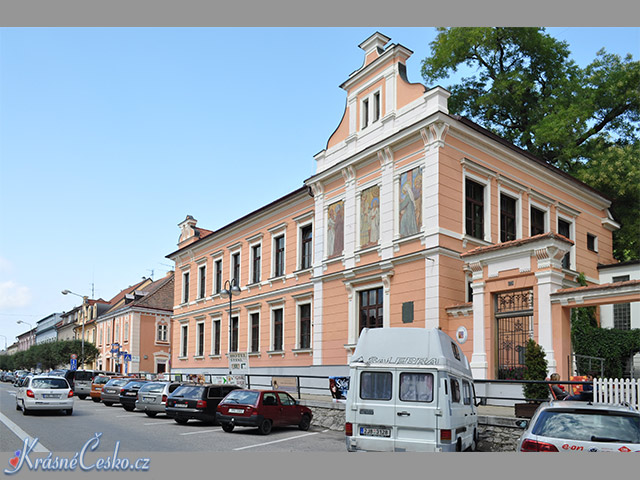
514	318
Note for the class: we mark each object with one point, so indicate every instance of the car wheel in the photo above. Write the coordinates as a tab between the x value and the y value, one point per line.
305	423
24	409
151	414
82	397
97	400
474	442
128	408
181	421
18	406
108	404
69	411
228	427
265	427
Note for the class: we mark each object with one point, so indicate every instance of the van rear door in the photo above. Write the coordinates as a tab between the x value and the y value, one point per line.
375	410
416	411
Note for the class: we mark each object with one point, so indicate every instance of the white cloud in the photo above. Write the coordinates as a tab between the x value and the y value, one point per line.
5	265
13	295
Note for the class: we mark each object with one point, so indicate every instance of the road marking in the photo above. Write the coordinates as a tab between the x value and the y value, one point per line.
12	393
123	416
21	434
276	441
158	423
201	431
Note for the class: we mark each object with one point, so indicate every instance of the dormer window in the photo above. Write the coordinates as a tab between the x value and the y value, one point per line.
365	113
376	106
371	109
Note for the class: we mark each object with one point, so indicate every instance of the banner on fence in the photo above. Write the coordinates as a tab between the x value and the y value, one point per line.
339	387
287	384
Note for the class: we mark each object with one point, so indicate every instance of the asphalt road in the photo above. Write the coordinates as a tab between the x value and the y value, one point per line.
136	432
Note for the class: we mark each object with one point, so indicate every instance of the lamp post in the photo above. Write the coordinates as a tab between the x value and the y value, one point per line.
84	312
230	288
5	342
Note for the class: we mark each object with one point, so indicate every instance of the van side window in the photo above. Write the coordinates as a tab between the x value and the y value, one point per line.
466	393
416	387
375	385
455	391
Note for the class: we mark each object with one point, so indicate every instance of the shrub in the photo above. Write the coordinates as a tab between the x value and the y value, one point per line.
536	369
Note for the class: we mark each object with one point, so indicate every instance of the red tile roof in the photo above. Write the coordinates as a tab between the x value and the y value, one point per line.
516	243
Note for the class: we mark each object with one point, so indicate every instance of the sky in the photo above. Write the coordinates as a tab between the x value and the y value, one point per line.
110	137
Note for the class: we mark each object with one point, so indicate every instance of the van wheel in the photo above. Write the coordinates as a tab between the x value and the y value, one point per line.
265	427
459	445
305	423
474	441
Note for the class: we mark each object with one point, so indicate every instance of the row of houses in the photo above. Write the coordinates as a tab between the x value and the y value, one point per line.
414	217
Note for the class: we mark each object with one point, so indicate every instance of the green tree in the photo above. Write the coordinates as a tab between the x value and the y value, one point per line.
536	369
525	88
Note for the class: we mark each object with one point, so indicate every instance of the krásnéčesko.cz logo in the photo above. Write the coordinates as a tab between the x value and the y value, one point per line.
77	461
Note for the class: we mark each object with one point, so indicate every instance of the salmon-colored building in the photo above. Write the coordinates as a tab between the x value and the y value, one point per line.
414	218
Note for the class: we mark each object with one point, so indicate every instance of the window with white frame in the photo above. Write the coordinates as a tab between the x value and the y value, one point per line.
306	246
184	340
199	339
371	109
277	329
235	334
474	208
278	256
304	326
256	262
564	228
254	331
235	267
218	276
215	337
185	287
202	281
126	331
622	311
100	337
537	221
161	334
508	217
592	242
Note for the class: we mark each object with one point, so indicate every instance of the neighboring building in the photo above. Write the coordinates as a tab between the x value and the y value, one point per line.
626	315
138	323
26	340
414	217
65	328
85	320
46	328
12	349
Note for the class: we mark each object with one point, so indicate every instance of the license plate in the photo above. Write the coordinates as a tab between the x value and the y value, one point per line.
131	394
236	410
108	390
375	432
50	395
181	405
148	399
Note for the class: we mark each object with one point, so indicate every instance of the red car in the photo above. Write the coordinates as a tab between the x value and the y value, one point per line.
263	409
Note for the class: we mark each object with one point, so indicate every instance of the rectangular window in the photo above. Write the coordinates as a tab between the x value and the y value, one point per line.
466	392
592	243
365	113
304	340
564	229
255	263
474	209
279	256
215	350
306	233
200	339
218	276
537	221
371	308
255	332
184	340
376	106
202	281
234	335
162	333
416	387
455	391
375	385
236	267
185	287
277	329
622	311
507	218
126	331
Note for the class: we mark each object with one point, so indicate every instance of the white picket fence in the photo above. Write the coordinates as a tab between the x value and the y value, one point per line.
617	390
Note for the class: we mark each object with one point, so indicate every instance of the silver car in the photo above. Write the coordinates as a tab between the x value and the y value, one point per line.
572	426
152	397
44	392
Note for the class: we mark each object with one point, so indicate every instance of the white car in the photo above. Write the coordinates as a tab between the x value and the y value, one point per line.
45	392
571	426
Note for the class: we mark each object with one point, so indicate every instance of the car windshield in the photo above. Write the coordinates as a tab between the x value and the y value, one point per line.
101	380
52	383
589	426
245	397
153	387
117	382
188	391
83	376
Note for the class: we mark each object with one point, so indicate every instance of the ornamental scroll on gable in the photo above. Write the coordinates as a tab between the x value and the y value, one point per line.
187	229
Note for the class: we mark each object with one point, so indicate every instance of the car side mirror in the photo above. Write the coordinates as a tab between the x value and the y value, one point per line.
522	424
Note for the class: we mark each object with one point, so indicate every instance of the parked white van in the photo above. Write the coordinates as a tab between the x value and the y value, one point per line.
411	390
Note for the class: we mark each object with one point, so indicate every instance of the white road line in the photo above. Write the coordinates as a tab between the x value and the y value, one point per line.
12	393
22	434
200	431
159	423
276	441
123	416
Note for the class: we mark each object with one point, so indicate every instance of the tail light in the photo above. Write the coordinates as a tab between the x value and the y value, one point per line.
122	390
30	394
534	446
201	404
164	399
445	435
348	429
70	394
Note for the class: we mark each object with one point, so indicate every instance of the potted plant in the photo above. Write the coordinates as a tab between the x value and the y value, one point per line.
535	369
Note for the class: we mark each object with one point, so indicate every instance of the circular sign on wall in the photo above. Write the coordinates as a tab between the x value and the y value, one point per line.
461	335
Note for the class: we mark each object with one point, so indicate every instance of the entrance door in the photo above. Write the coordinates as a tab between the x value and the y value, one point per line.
514	318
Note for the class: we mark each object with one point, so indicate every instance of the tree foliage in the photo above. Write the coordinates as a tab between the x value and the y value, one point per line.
48	355
524	87
536	369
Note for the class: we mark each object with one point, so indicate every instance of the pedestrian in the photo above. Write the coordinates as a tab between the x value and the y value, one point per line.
586	395
558	390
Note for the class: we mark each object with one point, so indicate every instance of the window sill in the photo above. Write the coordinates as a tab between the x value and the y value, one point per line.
214	356
271	353
302	351
183	358
198	357
254	354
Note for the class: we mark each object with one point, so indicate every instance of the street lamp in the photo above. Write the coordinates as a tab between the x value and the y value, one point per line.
230	288
5	342
84	305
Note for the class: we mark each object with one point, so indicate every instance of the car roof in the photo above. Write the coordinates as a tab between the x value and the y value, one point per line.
581	405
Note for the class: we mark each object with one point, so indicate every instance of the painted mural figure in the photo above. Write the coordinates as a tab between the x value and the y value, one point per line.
410	195
335	229
370	216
